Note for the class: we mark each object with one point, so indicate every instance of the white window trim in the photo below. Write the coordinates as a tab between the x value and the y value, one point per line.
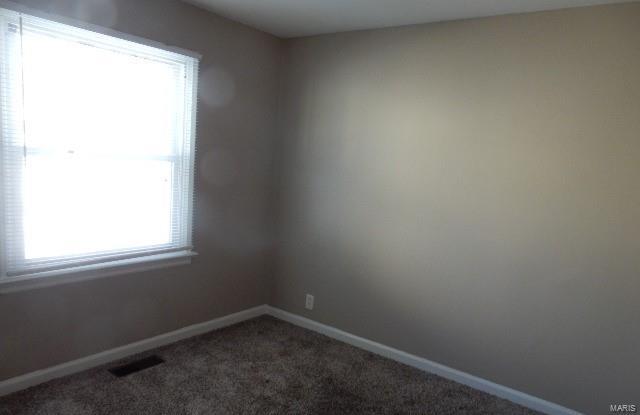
94	271
104	269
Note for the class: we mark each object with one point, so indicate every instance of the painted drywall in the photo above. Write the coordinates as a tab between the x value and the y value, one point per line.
467	192
233	214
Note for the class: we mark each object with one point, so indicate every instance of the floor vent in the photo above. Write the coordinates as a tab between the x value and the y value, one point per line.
136	366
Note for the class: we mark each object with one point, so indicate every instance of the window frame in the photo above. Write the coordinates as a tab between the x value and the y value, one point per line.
143	261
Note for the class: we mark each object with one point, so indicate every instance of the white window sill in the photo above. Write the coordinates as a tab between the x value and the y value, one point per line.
90	272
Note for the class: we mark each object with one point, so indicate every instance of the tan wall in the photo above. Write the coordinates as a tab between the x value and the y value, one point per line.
463	191
468	192
233	216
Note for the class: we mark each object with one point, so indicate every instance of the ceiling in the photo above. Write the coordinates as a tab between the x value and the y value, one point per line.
295	18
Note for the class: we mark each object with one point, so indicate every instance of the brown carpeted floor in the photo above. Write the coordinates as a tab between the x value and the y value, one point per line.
262	366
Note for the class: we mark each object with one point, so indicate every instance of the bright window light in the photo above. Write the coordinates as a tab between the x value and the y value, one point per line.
97	147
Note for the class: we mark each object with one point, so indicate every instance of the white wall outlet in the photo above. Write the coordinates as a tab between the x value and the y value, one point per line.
309	302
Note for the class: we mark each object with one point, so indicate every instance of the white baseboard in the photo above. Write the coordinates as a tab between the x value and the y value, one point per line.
40	376
475	382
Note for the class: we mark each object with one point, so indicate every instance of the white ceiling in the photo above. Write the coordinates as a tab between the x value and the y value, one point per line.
294	18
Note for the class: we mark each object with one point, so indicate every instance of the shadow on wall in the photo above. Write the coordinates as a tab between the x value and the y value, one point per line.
467	192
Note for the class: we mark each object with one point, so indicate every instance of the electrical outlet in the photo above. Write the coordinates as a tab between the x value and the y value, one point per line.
309	302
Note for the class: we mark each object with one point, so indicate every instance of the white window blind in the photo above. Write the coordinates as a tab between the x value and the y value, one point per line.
97	147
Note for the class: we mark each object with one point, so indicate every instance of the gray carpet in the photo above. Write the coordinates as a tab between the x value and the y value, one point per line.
262	366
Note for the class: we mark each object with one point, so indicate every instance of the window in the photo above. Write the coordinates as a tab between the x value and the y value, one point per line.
97	149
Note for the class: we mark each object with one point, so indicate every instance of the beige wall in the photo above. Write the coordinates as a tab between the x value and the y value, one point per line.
468	192
463	191
233	216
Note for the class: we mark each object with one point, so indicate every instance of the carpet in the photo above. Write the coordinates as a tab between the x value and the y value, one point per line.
261	366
